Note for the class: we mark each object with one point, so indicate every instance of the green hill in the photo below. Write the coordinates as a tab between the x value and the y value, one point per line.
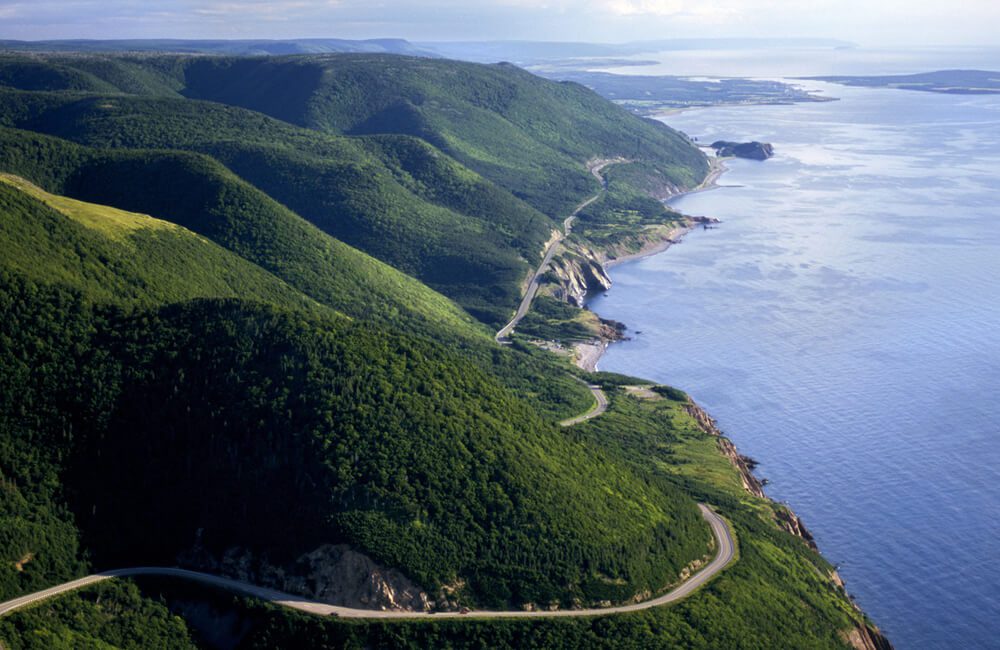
121	257
380	440
232	213
395	198
241	218
240	304
465	235
522	132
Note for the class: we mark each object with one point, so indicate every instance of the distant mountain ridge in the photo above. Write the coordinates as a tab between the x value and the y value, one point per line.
476	51
237	47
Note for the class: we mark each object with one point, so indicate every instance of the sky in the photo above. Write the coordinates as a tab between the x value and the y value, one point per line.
865	22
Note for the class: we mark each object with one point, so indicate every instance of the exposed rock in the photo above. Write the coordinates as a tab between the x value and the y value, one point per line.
27	557
790	522
333	574
866	637
704	420
612	330
753	150
743	464
337	574
750	482
577	272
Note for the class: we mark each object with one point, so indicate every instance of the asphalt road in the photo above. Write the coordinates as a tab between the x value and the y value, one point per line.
724	541
529	295
600	407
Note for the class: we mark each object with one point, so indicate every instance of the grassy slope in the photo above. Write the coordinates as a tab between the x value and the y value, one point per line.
124	257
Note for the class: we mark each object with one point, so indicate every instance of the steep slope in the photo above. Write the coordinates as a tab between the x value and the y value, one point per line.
230	212
380	440
121	257
395	198
525	133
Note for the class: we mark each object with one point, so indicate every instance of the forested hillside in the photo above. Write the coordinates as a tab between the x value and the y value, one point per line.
249	307
443	209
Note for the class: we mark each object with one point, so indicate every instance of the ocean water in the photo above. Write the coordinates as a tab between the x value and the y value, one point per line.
810	61
843	326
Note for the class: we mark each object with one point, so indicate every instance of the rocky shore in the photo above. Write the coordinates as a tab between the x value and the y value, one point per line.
863	637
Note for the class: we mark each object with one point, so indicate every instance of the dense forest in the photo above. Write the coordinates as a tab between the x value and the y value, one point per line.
249	307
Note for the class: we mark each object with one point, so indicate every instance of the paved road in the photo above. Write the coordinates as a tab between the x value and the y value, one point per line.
724	541
529	295
600	407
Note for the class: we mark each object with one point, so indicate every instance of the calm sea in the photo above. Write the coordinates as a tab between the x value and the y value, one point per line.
843	325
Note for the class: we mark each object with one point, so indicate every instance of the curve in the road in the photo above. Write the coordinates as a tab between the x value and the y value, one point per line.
599	407
720	530
550	250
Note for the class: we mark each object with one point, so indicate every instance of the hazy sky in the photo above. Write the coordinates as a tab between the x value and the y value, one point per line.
867	22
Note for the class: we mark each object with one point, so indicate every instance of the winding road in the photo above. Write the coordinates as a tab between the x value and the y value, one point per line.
600	407
725	555
529	295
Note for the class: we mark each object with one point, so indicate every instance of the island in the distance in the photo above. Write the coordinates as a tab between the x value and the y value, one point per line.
955	82
752	150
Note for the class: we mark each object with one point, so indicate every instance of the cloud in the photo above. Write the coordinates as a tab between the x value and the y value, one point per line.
645	7
916	21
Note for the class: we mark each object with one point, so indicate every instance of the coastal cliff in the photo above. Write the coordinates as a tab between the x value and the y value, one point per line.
575	273
862	637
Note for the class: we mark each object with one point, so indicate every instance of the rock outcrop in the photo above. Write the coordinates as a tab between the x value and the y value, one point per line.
752	150
790	522
332	573
743	464
577	272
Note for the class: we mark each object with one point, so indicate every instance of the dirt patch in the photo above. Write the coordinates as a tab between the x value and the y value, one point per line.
642	392
27	557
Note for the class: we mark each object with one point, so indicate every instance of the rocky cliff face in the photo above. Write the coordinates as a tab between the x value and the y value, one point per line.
743	464
867	638
333	574
790	521
576	272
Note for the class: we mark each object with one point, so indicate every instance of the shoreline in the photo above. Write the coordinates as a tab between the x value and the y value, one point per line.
587	355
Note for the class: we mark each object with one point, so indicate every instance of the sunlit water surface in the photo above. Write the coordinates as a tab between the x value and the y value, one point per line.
843	325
